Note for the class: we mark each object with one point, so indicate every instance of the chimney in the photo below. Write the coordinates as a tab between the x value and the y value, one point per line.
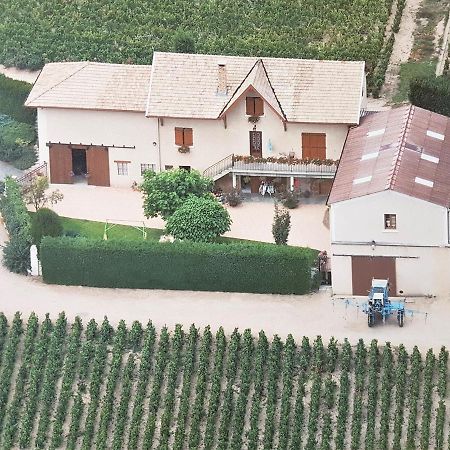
222	88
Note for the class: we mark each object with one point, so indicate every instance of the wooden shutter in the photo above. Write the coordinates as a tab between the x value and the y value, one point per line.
250	106
259	106
314	146
179	136
188	137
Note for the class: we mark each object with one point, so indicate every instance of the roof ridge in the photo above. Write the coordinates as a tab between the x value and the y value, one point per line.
401	148
85	64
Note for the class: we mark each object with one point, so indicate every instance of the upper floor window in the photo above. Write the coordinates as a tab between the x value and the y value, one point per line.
254	106
184	137
314	146
390	221
145	167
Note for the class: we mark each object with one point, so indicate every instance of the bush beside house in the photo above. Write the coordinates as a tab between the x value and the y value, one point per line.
45	222
431	93
13	94
16	253
258	268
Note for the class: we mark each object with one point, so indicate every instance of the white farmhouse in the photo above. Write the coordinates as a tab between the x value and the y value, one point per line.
237	119
390	202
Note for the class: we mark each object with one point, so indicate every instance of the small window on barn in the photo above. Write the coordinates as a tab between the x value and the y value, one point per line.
122	167
184	137
168	167
390	221
145	167
254	106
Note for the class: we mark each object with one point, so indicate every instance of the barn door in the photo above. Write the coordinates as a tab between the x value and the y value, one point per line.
256	144
60	156
98	166
364	268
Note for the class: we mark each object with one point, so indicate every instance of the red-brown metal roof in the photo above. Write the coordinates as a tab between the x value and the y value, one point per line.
394	150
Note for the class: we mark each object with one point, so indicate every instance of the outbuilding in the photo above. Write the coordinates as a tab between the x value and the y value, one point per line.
389	205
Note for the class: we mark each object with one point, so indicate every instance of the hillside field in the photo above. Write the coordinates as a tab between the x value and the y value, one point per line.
74	386
33	32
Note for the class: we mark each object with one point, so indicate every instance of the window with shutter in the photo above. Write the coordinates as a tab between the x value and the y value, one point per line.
254	106
184	137
188	137
314	146
178	136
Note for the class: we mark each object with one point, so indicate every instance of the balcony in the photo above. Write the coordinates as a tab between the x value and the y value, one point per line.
272	167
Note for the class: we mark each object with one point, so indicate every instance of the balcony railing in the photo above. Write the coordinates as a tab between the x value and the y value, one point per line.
272	167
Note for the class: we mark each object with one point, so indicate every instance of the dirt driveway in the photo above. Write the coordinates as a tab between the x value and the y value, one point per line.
308	315
251	220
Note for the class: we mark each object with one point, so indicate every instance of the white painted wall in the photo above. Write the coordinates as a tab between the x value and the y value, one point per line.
103	127
362	220
419	270
213	142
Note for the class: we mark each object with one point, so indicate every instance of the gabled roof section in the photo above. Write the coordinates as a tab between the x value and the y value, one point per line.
406	150
258	80
308	91
91	85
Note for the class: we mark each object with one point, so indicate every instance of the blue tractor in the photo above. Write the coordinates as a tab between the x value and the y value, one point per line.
379	304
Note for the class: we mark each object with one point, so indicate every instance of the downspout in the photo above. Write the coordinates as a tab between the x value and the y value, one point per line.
448	226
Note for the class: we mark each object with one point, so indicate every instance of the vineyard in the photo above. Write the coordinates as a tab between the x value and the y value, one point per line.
33	32
83	386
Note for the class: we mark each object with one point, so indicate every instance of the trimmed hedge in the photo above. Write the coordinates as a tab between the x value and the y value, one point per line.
16	253
13	94
259	268
431	93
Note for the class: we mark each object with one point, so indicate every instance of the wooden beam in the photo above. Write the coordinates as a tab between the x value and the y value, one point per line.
225	121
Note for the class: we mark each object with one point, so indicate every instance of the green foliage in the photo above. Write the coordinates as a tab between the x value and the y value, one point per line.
431	93
165	192
180	265
233	198
376	81
317	29
13	94
199	219
281	226
16	253
183	42
45	222
290	199
17	143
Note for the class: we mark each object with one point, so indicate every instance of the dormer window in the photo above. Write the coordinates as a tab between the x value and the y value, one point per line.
254	106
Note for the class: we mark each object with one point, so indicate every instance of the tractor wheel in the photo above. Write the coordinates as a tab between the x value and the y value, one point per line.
400	318
370	319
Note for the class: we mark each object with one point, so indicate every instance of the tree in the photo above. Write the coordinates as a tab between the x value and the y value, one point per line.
45	222
164	192
36	193
183	42
281	225
200	219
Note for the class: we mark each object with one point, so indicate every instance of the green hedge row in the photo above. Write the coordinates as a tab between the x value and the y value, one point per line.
16	253
431	93
13	94
240	267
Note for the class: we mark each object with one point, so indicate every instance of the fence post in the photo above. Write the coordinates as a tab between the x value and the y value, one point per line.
35	272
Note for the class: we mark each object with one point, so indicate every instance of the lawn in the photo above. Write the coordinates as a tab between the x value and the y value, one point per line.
409	71
95	230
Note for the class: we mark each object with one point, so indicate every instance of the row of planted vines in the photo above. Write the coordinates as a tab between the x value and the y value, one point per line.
75	385
34	32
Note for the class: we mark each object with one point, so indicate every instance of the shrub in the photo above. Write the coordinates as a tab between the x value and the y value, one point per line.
183	42
16	253
233	198
36	193
290	199
431	93
237	267
17	143
45	222
13	94
281	226
164	192
200	219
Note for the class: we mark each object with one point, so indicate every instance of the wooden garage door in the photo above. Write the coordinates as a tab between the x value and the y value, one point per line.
364	268
98	166
314	146
60	164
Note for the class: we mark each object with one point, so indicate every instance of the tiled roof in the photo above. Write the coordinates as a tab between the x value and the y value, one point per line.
91	85
258	80
405	149
185	85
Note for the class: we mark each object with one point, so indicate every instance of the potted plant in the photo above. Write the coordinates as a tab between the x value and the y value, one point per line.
253	119
183	149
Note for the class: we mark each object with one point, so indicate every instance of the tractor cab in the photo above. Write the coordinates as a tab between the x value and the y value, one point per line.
379	293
